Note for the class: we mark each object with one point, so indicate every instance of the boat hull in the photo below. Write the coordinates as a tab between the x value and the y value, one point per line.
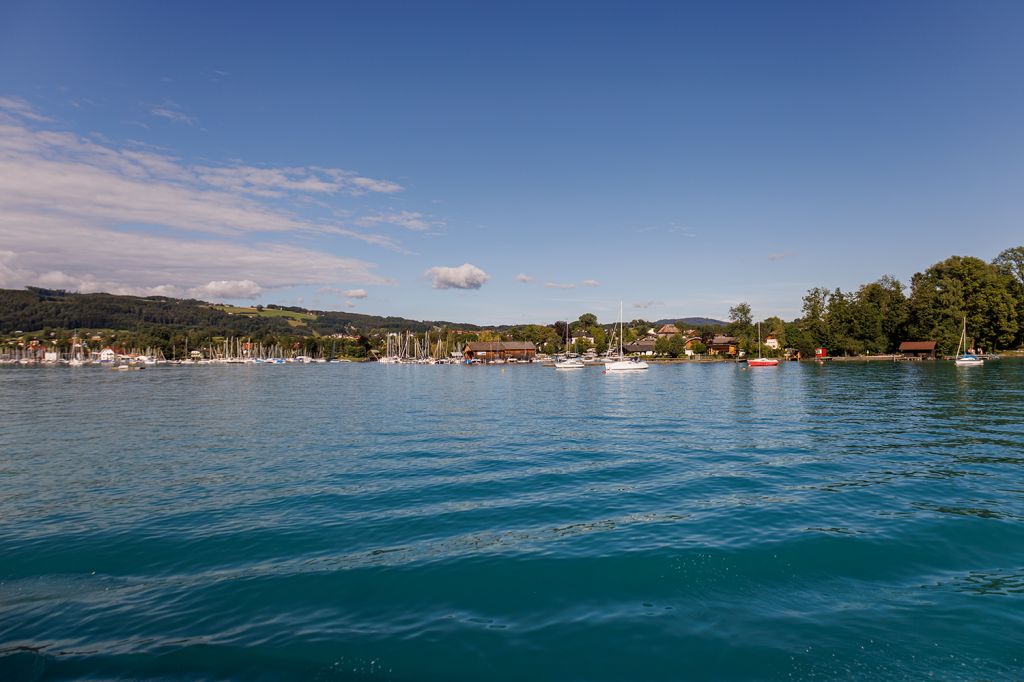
625	366
762	362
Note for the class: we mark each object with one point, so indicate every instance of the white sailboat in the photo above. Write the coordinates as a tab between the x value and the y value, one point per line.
622	364
762	361
966	359
567	362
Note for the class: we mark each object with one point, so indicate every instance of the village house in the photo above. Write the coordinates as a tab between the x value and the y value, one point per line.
772	342
918	349
487	351
668	331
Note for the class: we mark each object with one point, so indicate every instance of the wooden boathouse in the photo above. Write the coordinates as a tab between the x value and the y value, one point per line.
488	351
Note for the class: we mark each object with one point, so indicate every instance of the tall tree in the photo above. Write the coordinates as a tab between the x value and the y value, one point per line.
1011	261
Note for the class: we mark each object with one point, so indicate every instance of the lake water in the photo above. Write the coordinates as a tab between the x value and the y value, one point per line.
372	522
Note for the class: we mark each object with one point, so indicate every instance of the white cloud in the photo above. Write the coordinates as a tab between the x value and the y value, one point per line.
227	288
61	252
590	283
90	215
556	285
356	293
525	279
465	276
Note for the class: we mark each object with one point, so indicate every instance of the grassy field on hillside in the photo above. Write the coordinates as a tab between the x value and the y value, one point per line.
266	312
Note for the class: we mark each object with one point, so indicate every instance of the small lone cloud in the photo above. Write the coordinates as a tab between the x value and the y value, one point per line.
465	276
590	283
556	285
780	256
227	288
645	304
525	279
356	293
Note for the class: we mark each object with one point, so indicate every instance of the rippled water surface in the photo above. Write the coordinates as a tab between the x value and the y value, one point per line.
365	522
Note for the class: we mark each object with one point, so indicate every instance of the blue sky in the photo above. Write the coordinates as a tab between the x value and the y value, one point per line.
376	157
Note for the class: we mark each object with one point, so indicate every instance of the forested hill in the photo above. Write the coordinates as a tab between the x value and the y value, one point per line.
33	309
693	321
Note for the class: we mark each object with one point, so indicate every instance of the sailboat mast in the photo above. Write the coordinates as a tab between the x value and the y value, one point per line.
620	332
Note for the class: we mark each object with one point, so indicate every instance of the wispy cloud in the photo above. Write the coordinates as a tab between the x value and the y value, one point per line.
671	227
646	304
19	107
172	112
525	279
410	220
590	283
556	285
356	293
780	256
465	276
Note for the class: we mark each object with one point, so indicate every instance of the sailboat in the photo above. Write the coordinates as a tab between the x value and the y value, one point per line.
622	364
966	359
567	362
762	361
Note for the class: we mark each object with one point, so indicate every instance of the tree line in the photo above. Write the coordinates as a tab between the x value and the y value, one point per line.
879	315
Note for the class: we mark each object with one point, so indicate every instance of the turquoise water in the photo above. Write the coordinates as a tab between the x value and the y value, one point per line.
368	522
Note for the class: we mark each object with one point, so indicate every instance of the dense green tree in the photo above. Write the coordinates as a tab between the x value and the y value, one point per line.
880	316
958	287
676	346
741	324
1011	261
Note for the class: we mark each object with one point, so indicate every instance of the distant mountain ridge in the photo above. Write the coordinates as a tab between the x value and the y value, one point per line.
693	321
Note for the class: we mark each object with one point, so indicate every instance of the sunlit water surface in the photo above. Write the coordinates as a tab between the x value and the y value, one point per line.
369	522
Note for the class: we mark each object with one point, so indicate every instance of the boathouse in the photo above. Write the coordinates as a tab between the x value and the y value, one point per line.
488	351
918	349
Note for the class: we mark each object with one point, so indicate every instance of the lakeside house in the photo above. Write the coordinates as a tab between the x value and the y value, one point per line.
486	351
722	345
667	331
772	342
918	349
641	347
